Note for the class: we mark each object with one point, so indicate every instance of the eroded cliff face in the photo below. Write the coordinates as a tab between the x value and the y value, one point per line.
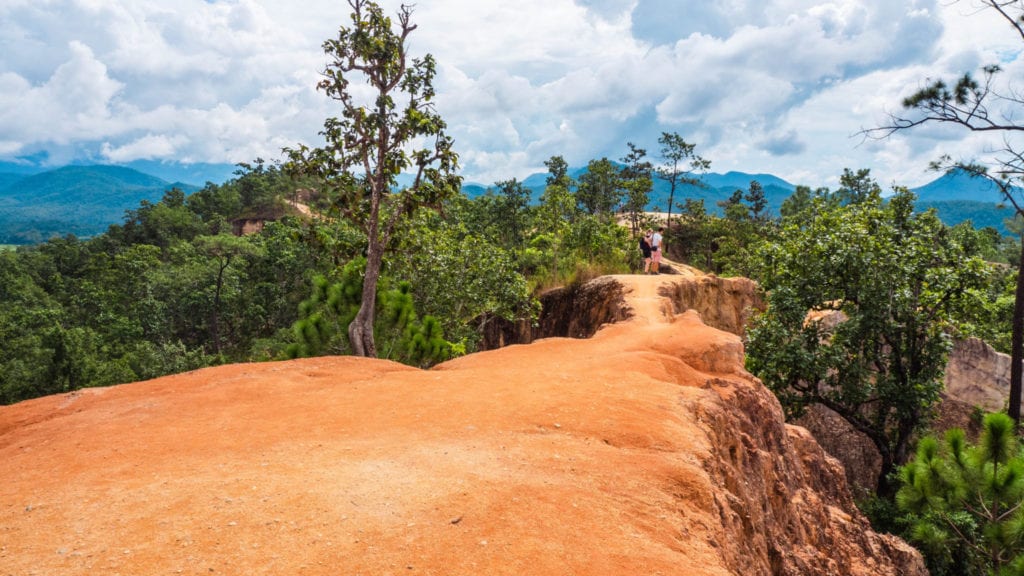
578	311
646	449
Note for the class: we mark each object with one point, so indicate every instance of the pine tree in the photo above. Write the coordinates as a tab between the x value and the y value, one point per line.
964	502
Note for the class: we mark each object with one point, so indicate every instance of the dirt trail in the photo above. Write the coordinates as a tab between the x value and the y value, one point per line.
645	294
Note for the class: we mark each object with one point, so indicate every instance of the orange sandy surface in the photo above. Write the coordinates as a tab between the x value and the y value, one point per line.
558	457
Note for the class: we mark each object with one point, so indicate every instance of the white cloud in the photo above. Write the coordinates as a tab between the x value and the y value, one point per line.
74	103
777	86
147	147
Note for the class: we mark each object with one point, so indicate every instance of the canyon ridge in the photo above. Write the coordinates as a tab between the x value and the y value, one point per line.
643	449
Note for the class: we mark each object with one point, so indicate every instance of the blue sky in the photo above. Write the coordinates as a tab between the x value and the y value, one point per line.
775	86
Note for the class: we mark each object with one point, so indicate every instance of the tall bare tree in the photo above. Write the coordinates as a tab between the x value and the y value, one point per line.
981	103
375	140
680	165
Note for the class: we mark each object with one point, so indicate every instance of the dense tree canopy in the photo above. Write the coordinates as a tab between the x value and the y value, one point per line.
964	502
882	285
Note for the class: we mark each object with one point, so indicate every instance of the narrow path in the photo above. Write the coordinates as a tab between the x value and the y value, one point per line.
645	293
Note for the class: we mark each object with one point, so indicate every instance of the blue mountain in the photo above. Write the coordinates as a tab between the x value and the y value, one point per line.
20	168
980	214
36	203
958	197
194	173
741	180
81	200
959	185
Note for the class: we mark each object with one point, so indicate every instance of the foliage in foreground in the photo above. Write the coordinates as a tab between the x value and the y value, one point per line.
404	336
964	503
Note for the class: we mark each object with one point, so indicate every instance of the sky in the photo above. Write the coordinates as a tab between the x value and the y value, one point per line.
760	86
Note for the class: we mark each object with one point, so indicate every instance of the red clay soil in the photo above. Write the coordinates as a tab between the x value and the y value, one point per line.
558	457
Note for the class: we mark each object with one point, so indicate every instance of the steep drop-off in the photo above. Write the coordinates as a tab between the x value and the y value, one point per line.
646	449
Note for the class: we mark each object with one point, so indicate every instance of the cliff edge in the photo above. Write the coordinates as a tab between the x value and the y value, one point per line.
645	449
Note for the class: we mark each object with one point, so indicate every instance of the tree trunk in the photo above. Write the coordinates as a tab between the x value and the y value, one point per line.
360	331
215	328
1017	342
668	218
886	487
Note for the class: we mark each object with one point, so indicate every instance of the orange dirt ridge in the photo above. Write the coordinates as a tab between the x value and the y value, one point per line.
644	450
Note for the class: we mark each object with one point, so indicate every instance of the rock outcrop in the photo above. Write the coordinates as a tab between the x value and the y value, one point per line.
978	375
646	449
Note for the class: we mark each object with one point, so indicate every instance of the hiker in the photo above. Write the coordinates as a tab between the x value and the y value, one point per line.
645	250
656	251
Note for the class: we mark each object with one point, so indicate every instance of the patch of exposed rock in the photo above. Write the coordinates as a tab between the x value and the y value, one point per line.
724	303
575	311
978	375
785	503
855	451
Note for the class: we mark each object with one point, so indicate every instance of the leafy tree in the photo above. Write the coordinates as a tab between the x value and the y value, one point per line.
558	173
332	305
981	105
216	205
373	138
556	211
857	187
600	187
988	310
159	224
512	213
800	206
733	206
600	244
285	256
964	503
223	250
637	180
260	187
680	164
694	237
27	313
460	278
895	279
325	315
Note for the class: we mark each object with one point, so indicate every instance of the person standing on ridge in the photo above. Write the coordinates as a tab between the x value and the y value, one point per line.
645	250
656	251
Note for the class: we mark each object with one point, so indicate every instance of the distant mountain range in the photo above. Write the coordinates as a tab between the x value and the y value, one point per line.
80	200
36	204
956	197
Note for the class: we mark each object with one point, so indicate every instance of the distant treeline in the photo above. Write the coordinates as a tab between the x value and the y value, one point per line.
175	287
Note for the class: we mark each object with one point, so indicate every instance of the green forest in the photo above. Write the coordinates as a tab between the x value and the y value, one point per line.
173	288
